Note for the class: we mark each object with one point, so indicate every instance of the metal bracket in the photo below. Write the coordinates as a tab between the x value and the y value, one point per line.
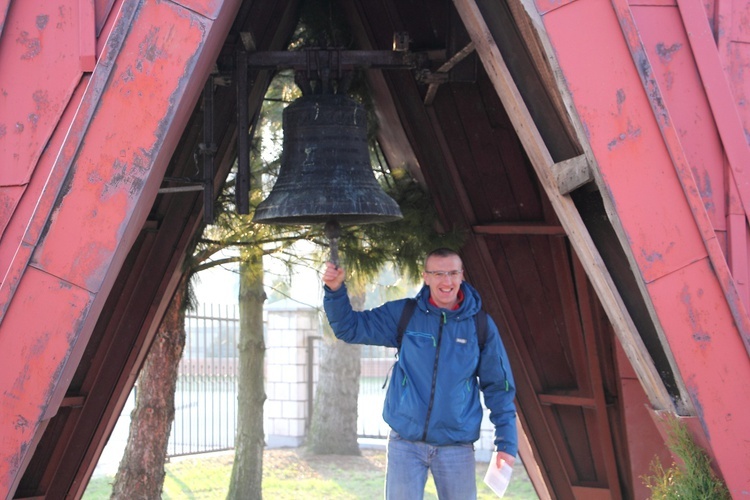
207	151
242	182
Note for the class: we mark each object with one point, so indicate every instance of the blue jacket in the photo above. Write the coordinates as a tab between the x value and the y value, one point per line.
433	395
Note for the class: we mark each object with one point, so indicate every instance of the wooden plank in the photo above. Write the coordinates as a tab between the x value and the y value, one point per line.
573	309
468	140
579	463
72	401
491	276
4	6
572	173
533	281
564	207
567	400
591	493
455	182
498	176
525	449
719	95
606	444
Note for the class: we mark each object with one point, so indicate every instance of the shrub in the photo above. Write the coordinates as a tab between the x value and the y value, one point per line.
692	479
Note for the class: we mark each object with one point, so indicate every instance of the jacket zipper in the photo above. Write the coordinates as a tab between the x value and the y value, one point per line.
443	321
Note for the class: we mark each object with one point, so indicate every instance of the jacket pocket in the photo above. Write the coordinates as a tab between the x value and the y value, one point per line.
421	338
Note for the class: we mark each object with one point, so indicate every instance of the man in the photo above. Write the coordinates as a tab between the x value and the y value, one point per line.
432	404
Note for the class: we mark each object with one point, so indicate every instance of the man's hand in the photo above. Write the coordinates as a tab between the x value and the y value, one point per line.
504	457
333	277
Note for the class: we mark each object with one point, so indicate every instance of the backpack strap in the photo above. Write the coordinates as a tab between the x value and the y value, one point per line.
409	307
403	321
480	320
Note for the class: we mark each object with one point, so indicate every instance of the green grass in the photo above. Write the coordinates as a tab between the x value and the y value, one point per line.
292	474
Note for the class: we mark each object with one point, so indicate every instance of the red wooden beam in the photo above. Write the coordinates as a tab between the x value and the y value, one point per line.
645	176
108	173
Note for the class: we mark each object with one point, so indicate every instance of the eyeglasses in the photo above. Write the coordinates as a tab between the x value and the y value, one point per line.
443	274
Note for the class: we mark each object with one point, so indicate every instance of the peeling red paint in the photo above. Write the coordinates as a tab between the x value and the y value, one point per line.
665	53
631	133
668	191
33	71
32	46
107	162
651	256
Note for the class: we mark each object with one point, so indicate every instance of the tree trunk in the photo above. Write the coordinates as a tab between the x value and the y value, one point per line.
333	429
141	471
247	471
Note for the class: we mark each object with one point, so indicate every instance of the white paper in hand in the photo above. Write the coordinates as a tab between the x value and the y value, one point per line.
498	479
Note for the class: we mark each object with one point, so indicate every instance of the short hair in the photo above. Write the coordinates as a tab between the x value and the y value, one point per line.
442	252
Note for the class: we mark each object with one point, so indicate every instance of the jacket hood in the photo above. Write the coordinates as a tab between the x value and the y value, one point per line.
471	304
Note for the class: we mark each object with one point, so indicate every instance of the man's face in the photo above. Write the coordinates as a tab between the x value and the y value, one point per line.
444	276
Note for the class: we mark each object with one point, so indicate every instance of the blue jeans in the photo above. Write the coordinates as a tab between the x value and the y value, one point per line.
407	462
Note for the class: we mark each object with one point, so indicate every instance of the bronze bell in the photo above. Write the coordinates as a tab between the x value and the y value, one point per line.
325	175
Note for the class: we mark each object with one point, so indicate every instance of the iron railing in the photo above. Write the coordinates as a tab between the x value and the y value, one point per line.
206	392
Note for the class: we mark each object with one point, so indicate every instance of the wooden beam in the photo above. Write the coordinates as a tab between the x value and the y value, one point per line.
73	401
567	400
529	228
564	207
572	173
719	94
606	442
591	493
314	59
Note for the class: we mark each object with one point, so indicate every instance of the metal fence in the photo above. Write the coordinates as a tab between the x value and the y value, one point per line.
375	369
206	393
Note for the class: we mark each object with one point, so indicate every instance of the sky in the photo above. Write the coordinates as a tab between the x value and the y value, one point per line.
220	284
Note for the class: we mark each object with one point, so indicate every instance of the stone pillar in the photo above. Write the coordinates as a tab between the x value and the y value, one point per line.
285	412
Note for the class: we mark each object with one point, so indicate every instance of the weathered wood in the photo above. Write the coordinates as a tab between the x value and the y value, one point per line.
564	207
572	173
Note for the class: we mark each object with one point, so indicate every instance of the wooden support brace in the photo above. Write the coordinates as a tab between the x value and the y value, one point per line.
570	219
572	174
